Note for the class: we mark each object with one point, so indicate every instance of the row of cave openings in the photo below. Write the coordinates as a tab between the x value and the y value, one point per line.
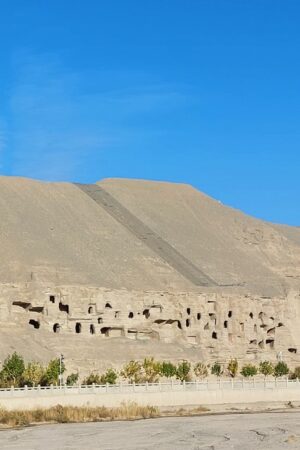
91	309
92	329
40	309
270	341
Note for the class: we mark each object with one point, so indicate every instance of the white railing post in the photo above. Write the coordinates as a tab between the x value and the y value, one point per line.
241	384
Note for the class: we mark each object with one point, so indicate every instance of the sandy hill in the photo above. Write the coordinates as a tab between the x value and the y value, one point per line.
139	235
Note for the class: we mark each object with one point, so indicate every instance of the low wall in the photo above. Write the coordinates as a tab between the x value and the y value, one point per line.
155	395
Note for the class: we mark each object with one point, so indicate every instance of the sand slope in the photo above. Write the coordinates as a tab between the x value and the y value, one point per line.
56	232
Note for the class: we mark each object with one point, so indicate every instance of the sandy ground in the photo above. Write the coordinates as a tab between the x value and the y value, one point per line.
262	431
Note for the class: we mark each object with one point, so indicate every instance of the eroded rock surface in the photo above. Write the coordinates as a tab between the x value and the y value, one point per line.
128	268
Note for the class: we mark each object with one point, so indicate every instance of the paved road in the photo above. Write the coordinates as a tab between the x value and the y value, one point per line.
265	431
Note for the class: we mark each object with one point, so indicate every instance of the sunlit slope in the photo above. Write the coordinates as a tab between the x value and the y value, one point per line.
147	235
292	233
55	232
229	246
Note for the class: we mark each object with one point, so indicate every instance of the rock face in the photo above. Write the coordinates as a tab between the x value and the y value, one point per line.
125	268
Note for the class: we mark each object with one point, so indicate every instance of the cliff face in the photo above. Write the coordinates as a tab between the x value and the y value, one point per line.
126	269
140	235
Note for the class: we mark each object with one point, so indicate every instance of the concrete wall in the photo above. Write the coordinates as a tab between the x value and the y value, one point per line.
158	395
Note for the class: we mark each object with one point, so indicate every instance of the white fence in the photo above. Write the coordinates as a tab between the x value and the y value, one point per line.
122	388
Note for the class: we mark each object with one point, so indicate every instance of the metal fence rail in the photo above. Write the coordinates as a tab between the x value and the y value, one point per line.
172	386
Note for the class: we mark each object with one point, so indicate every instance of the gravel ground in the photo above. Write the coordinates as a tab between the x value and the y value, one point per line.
262	431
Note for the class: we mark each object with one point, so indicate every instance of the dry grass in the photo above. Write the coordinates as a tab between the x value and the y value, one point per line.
68	414
186	411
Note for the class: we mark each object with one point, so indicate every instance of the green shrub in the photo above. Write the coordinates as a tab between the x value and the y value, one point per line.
200	370
233	367
12	370
72	379
92	378
266	368
183	371
281	369
249	370
167	369
4	381
216	369
109	377
51	375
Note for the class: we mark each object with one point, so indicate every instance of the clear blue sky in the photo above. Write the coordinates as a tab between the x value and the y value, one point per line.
205	92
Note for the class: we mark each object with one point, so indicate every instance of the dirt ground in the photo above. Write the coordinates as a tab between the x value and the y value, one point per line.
259	431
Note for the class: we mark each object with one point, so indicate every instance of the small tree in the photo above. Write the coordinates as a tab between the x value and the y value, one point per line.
33	374
296	374
4	380
200	370
151	369
183	371
51	375
92	378
216	369
249	370
13	368
266	368
281	369
167	369
72	379
109	377
233	367
132	371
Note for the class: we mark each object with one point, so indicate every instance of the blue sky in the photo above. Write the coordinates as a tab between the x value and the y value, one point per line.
204	92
